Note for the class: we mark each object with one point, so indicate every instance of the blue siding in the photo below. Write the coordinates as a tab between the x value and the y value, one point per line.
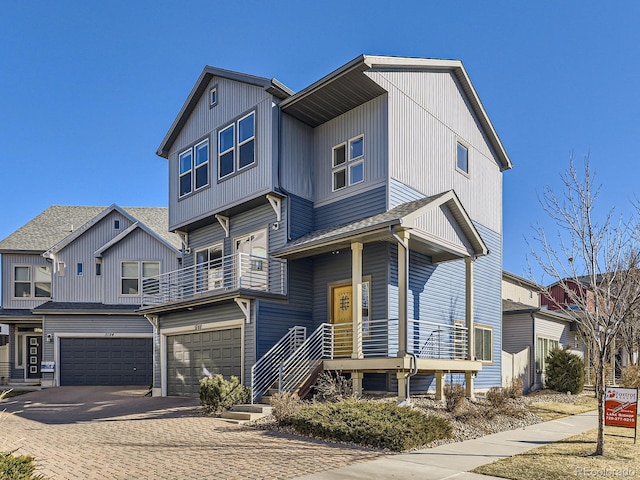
302	216
400	193
354	208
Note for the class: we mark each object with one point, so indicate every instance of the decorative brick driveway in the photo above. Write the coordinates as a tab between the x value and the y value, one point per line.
115	433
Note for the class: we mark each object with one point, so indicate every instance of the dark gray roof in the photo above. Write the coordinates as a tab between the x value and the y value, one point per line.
66	307
14	312
57	222
509	307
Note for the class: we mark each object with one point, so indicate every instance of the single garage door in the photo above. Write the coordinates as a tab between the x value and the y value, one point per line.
106	361
192	356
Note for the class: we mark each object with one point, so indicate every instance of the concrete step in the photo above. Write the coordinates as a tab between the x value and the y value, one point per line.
253	408
246	416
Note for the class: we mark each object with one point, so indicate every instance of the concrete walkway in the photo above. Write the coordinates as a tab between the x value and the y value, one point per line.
455	460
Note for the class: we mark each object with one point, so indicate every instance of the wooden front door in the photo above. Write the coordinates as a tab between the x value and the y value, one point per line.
342	316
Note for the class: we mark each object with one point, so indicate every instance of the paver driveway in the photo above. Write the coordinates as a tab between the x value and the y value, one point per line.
116	432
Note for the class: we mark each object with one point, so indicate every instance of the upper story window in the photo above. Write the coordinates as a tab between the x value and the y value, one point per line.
213	96
348	163
79	269
193	165
116	224
133	274
32	281
462	158
236	146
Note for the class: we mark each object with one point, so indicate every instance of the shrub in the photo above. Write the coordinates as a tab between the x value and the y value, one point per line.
18	467
497	397
516	389
284	407
333	388
375	424
564	372
454	395
217	394
631	376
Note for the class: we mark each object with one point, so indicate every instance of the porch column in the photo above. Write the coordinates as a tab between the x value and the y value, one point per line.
403	289
471	342
402	386
356	283
356	382
439	385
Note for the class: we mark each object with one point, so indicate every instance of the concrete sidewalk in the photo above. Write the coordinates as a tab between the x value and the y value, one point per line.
455	460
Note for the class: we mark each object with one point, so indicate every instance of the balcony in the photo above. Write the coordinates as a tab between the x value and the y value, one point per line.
236	272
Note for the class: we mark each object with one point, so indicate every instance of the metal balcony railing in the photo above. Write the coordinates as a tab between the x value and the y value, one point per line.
238	271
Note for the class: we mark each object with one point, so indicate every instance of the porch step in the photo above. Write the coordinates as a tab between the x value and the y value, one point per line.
245	413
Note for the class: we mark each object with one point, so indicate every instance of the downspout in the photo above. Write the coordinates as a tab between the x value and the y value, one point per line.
534	343
279	169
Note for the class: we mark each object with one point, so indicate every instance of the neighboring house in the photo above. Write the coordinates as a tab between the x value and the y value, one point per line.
295	207
527	324
71	284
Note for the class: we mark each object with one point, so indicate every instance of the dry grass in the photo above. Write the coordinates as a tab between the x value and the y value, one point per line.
551	411
572	458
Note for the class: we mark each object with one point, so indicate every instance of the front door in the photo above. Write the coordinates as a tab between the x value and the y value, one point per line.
34	355
342	318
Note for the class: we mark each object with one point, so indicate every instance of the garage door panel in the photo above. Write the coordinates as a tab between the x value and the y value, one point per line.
195	355
106	361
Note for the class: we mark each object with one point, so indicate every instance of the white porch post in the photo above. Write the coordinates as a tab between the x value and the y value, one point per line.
471	343
403	289
356	283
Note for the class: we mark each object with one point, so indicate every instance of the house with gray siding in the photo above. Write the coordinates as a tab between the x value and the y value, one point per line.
528	325
355	225
71	284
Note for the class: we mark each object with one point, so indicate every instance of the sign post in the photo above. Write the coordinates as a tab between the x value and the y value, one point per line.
621	407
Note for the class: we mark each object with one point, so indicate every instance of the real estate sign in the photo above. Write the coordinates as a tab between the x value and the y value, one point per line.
620	407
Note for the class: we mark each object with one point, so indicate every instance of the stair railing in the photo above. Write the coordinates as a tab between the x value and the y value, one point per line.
265	371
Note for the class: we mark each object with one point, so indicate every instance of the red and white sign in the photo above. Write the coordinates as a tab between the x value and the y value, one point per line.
620	407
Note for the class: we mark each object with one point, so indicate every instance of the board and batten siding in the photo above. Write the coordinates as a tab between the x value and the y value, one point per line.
9	261
370	120
212	314
106	326
235	99
296	157
427	115
362	205
301	216
88	287
137	246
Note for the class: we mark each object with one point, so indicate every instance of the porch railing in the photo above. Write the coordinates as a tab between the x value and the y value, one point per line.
265	372
236	271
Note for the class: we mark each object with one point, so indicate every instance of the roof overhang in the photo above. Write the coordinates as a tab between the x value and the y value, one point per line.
381	227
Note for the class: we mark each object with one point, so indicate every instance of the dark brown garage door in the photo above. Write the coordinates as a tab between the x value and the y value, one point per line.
106	361
192	356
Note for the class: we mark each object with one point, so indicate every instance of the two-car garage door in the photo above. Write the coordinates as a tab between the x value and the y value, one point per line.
106	361
191	356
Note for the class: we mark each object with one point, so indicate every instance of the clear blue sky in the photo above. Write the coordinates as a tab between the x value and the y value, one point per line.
88	89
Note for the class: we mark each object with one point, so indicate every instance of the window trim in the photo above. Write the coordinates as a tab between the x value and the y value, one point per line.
486	328
348	164
540	360
220	269
213	90
79	269
204	164
193	170
460	143
235	124
140	278
32	281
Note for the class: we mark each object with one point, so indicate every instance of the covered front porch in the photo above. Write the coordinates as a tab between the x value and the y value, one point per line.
437	228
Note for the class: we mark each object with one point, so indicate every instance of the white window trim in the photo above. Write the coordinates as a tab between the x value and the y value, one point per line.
186	172
232	149
219	245
140	277
489	328
466	146
32	281
348	164
213	90
193	150
240	144
540	360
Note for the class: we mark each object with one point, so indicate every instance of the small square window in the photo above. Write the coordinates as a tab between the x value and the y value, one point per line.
339	179
79	269
462	161
356	173
339	155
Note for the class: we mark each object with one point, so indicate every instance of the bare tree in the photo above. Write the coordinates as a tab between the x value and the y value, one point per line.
593	260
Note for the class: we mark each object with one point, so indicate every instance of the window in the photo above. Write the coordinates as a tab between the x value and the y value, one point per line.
348	163
484	343
131	274
462	158
61	269
116	224
236	146
29	282
98	269
252	260
213	97
194	174
545	347
79	269
209	274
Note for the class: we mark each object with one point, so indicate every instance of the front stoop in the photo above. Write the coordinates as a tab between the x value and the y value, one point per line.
245	413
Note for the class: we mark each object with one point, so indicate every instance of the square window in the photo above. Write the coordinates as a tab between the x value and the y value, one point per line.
348	168
356	148
339	179
462	161
356	173
339	155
